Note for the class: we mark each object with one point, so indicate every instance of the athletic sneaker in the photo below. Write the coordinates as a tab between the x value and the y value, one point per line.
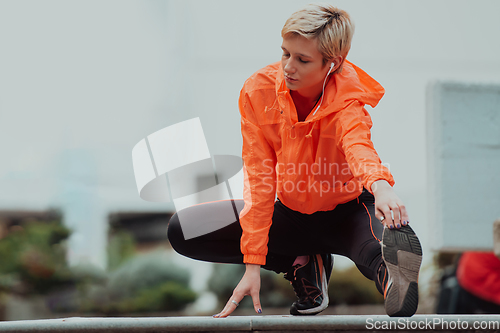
310	283
402	255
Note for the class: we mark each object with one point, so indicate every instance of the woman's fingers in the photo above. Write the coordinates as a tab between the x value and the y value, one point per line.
394	216
386	217
389	209
231	305
405	219
256	301
249	286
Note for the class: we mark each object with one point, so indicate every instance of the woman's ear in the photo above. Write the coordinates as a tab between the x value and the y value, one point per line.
337	62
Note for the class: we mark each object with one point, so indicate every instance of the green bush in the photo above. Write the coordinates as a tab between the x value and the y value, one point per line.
34	261
168	296
35	257
145	271
275	290
148	282
224	279
121	247
351	287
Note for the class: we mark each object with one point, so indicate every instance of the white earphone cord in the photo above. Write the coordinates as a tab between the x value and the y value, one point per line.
324	83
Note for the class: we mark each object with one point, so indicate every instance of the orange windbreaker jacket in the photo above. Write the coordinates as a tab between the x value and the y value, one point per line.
312	165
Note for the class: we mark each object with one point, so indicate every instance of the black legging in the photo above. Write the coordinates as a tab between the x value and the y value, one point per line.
350	229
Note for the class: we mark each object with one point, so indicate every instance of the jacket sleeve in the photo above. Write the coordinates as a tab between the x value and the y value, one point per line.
355	141
259	160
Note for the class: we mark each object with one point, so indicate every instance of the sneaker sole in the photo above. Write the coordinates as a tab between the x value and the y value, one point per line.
402	253
324	303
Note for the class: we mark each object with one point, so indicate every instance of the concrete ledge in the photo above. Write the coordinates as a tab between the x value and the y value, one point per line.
327	323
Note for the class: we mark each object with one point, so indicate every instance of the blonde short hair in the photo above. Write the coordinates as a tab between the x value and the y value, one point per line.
331	26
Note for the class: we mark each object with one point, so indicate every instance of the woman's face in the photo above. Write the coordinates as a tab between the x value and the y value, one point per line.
303	66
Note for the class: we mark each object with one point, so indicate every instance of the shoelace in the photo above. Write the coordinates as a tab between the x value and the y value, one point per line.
300	292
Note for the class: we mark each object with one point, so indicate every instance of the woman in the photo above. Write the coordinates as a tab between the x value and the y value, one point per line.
306	139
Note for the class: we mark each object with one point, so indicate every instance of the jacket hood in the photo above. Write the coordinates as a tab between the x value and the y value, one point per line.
353	84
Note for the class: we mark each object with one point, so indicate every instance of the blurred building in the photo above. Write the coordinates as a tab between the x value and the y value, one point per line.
149	230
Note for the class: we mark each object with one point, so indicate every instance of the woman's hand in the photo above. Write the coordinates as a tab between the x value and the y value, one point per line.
385	202
249	286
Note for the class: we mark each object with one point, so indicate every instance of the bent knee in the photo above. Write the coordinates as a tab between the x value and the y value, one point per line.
174	234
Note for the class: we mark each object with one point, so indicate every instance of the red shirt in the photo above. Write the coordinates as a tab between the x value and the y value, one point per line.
479	274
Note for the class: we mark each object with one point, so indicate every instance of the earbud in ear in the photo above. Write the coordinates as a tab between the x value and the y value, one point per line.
331	68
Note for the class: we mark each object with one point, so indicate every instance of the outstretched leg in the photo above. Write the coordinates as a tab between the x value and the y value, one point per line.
390	257
402	254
